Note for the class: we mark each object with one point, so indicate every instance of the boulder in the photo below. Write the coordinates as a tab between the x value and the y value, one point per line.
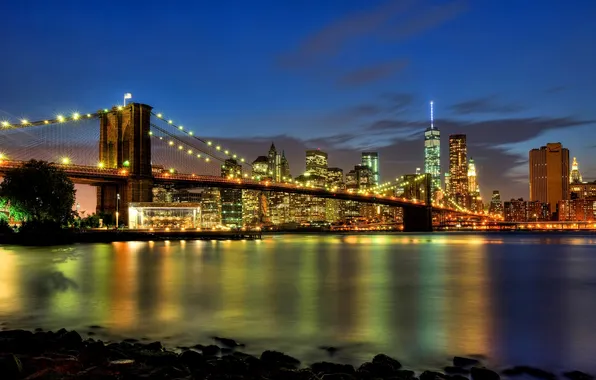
532	371
10	367
70	340
459	361
374	370
210	350
479	373
230	343
279	360
578	375
94	353
323	368
384	359
431	375
192	359
456	370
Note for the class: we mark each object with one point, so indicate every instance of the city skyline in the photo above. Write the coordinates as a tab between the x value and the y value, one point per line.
355	78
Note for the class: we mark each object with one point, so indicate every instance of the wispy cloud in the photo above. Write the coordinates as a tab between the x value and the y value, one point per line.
371	74
488	104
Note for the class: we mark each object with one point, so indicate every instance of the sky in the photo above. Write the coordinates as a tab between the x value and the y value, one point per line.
344	76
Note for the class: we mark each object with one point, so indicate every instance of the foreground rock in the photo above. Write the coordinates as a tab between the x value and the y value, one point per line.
65	355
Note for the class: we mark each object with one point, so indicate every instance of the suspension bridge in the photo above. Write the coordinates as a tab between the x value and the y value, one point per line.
135	149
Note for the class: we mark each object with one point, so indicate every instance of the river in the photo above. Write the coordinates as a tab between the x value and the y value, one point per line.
422	298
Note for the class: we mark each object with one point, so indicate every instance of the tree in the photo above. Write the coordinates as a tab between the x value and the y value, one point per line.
38	192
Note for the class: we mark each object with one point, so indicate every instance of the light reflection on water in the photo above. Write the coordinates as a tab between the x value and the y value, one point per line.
514	298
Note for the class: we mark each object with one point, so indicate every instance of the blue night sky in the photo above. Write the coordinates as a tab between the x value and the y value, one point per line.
340	75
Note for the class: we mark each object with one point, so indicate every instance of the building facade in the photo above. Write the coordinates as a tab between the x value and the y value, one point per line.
458	169
575	176
371	159
549	174
231	199
496	206
432	152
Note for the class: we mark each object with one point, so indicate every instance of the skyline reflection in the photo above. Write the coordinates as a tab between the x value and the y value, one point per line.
421	298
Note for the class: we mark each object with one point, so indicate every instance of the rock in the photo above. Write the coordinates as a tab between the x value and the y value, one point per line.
95	327
94	354
322	368
10	367
39	329
90	333
431	375
532	371
279	360
70	340
404	374
198	347
210	350
373	370
155	346
338	376
46	374
121	363
230	343
456	370
192	359
578	375
458	377
384	359
459	361
131	340
479	373
156	358
330	349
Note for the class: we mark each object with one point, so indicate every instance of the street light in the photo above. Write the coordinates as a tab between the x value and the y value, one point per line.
117	209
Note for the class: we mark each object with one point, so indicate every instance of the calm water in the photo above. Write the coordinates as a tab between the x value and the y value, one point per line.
516	299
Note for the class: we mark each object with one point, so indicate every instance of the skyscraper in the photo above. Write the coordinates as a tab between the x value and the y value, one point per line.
432	152
549	174
576	176
474	200
371	159
316	167
458	169
496	206
231	199
274	161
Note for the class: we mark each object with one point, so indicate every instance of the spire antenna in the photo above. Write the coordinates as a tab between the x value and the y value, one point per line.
432	118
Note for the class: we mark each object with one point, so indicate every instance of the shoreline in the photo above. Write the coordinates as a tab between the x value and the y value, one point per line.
66	355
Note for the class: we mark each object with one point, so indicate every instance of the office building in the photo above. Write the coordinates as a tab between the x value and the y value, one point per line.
458	169
231	199
549	174
583	190
518	210
474	199
577	210
260	168
371	159
432	153
496	206
575	176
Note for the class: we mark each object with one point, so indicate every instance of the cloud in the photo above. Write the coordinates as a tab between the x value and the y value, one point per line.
488	104
390	21
555	89
328	41
372	73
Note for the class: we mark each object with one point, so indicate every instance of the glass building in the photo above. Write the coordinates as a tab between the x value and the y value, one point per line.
164	215
458	169
432	153
371	159
231	199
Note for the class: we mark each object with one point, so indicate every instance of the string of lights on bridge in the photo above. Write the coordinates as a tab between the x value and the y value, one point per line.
210	143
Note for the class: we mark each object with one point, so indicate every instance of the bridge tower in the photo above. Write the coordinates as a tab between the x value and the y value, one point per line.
420	219
124	143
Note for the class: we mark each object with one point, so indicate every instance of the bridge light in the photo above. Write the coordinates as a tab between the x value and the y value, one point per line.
159	115
76	116
245	175
180	147
242	160
46	122
88	115
180	127
5	124
150	133
234	156
218	147
226	152
24	122
199	155
190	151
60	118
126	163
100	165
170	121
172	170
120	108
65	160
170	143
207	159
1	156
160	137
105	110
209	143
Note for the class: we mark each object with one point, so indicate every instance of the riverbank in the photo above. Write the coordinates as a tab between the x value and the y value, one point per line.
65	355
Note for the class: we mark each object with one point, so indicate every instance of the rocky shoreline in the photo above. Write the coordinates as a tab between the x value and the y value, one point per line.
47	355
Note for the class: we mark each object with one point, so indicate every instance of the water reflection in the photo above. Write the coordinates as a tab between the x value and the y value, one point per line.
516	299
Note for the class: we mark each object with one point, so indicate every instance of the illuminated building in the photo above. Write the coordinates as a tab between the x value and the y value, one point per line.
447	183
458	169
210	207
414	186
518	210
575	176
164	215
371	159
364	176
333	207
577	210
582	190
260	168
274	164
474	200
549	174
496	206
432	152
316	163
284	167
231	199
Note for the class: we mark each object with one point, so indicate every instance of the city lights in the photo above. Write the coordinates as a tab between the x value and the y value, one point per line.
65	160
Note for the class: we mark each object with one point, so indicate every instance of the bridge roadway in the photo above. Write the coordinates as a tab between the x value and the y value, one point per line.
94	176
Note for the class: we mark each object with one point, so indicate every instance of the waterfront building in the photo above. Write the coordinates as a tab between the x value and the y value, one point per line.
145	215
447	184
458	169
549	174
432	152
260	168
334	207
582	190
496	206
371	160
316	163
575	175
474	199
577	210
364	176
274	164
231	199
518	210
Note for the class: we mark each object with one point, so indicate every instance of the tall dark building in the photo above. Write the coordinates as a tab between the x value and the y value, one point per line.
549	174
231	199
274	163
496	206
371	159
458	169
284	167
